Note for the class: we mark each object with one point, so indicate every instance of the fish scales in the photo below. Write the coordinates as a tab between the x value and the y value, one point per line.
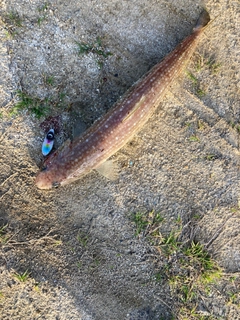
109	134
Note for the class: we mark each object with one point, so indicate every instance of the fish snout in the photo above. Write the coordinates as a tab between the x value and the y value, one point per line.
43	181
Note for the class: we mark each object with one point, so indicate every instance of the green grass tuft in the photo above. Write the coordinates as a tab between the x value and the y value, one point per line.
192	77
3	237
38	107
42	10
141	223
170	243
187	267
194	139
13	22
22	277
82	239
96	48
147	222
14	18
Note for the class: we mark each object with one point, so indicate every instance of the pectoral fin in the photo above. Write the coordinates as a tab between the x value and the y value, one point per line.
108	169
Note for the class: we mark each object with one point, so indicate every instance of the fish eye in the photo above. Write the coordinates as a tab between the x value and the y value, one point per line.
55	184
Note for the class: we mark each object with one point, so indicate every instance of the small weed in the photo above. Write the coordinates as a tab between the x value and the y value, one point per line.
33	104
148	222
22	277
49	80
57	243
211	276
36	106
187	293
79	265
158	218
42	10
194	139
196	84
40	20
209	270
83	48
82	239
192	78
232	297
174	281
192	314
95	264
62	96
158	277
13	22
3	237
232	279
207	290
199	64
200	92
2	229
213	65
44	7
210	157
36	287
10	34
196	216
209	62
95	48
200	125
141	222
197	252
14	18
100	64
179	220
1	295
235	126
170	244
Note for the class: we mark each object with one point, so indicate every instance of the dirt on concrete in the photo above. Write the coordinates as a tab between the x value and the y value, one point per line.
78	252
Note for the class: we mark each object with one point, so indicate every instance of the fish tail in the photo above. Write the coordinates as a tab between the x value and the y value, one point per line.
203	20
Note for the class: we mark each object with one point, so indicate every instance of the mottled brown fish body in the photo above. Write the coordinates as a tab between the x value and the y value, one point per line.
120	124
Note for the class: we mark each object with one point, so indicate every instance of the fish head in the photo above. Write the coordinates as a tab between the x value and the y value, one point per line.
46	179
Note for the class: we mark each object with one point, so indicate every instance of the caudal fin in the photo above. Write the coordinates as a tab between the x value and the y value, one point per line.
203	20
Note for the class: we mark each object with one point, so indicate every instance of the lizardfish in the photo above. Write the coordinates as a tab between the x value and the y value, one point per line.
111	132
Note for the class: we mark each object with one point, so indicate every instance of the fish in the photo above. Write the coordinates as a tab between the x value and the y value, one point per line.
110	133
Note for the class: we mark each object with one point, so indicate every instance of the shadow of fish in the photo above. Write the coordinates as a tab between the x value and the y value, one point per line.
111	132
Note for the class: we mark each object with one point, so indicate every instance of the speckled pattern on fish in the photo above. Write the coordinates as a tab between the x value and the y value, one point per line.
120	124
